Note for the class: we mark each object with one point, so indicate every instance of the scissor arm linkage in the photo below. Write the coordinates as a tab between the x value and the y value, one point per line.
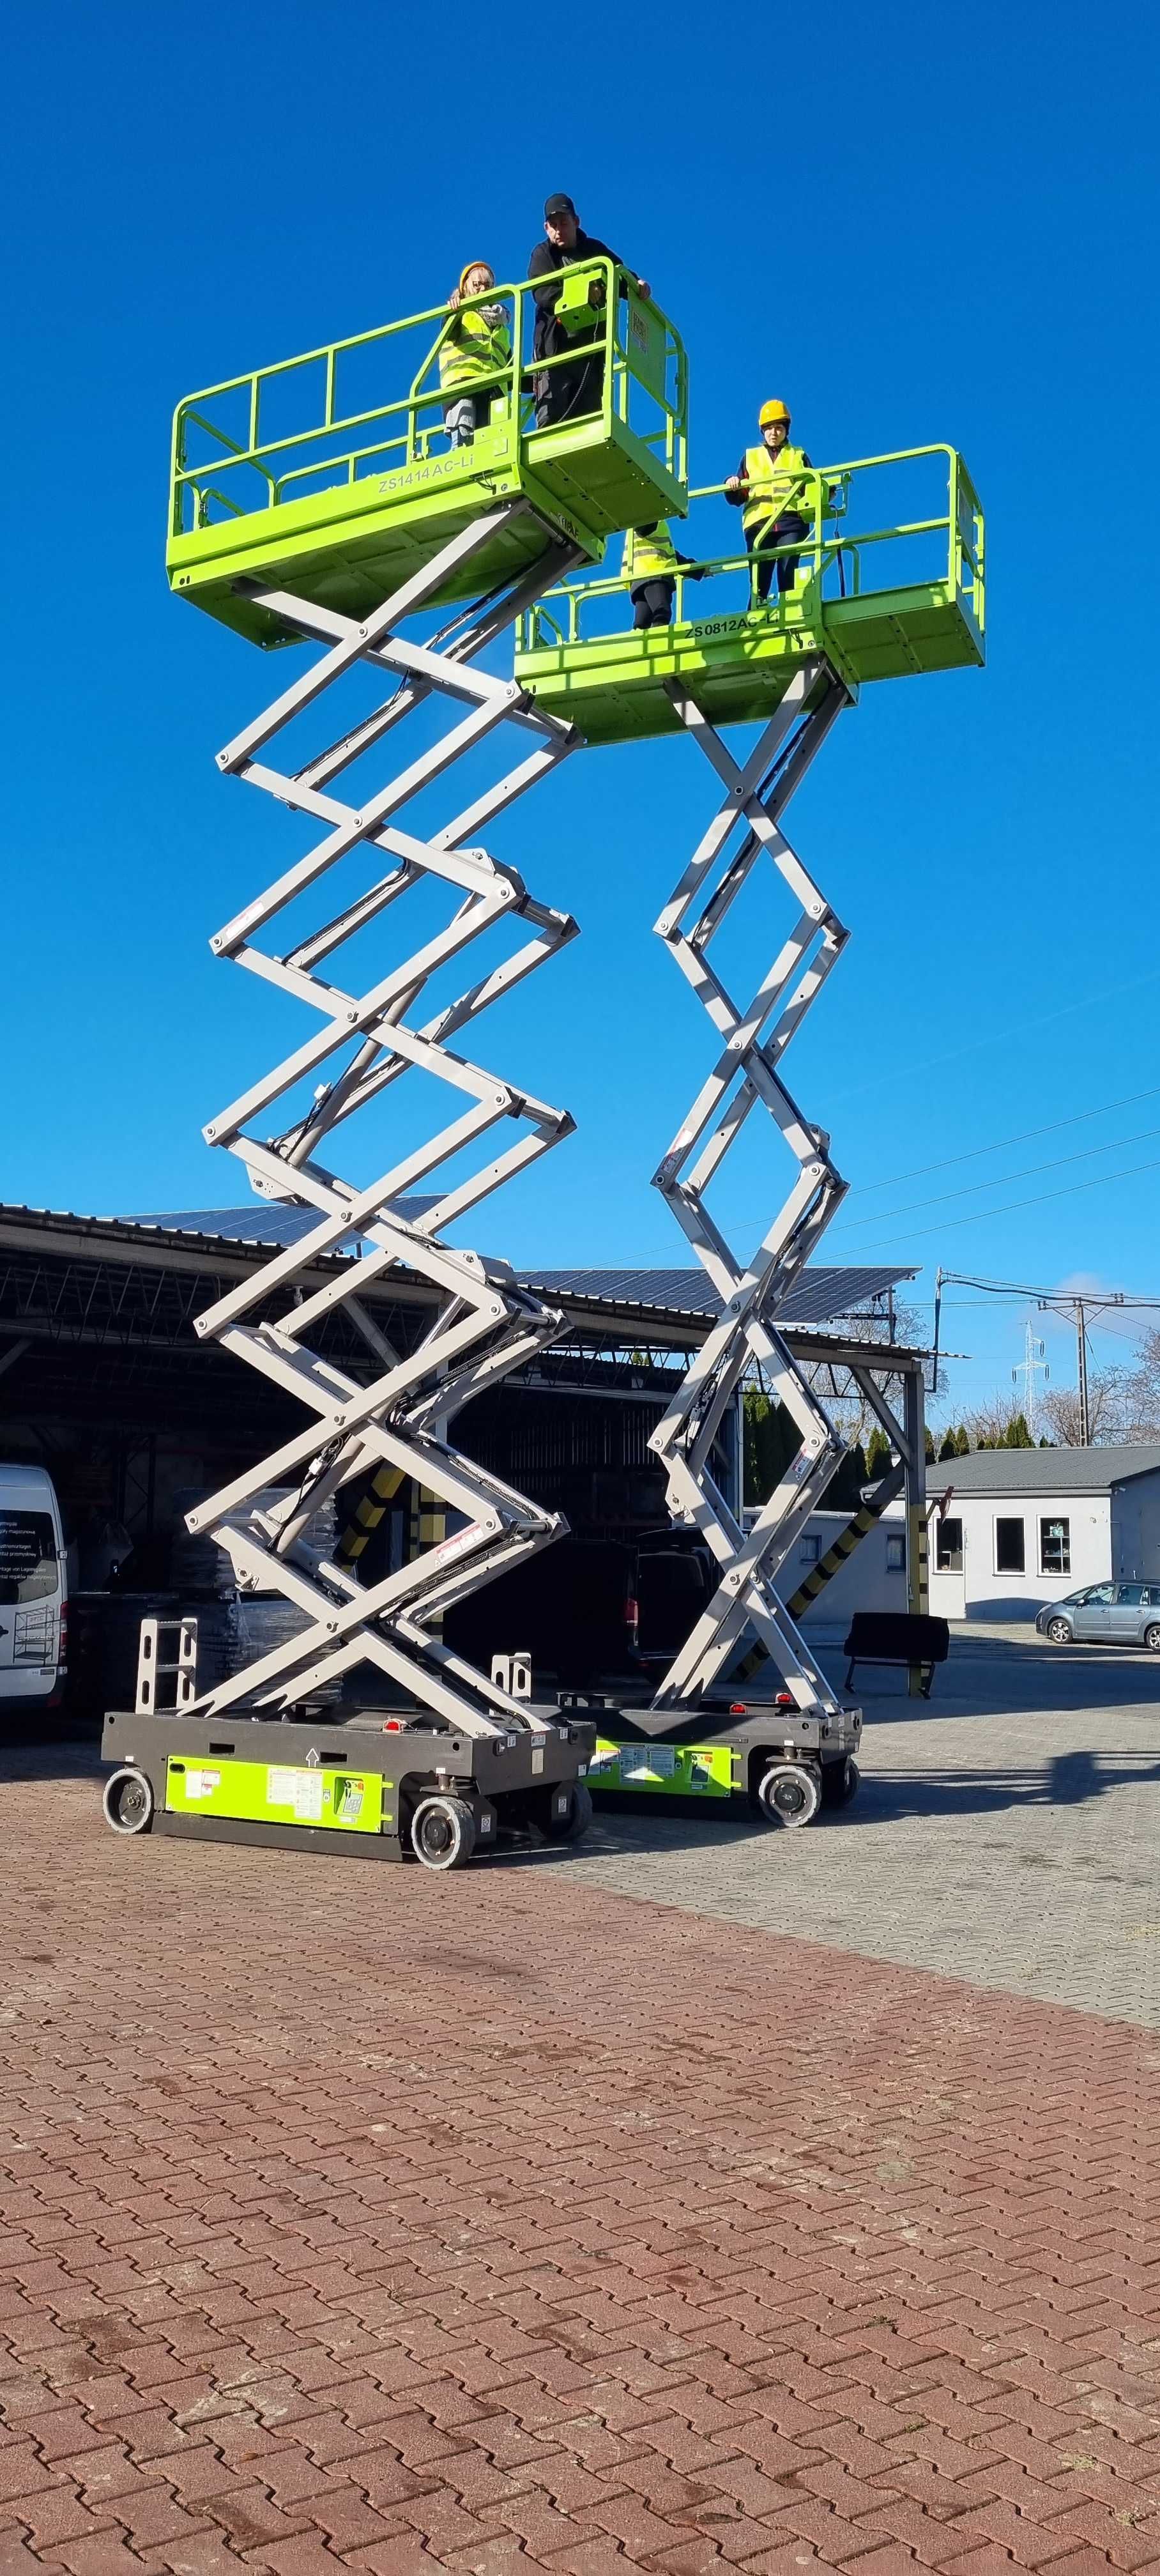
483	1323
747	1072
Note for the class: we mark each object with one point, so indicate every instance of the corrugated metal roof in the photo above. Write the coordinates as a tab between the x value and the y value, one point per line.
822	1294
819	1295
1044	1471
266	1222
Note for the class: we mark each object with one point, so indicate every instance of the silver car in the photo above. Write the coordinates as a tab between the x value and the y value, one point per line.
1105	1614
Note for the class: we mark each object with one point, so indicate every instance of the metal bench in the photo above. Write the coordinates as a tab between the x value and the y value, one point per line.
897	1637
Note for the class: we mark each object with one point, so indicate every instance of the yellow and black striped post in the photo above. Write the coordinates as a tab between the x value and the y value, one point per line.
840	1549
427	1525
919	1583
368	1512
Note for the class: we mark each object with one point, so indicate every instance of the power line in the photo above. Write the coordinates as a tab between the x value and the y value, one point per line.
950	1225
947	1162
1045	1019
1084	1304
1000	1181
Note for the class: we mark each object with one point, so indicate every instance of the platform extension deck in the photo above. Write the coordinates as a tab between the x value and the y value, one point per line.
332	475
880	601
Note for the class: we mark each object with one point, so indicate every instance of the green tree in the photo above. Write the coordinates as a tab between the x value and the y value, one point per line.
948	1447
877	1456
844	1491
772	1438
1017	1434
962	1442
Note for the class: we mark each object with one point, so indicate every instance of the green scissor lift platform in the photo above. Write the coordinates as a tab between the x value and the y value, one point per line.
331	476
888	581
321	500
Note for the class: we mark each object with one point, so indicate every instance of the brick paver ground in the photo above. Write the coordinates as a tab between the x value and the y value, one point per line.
356	2218
1007	1831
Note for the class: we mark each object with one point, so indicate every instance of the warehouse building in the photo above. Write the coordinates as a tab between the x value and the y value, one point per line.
104	1382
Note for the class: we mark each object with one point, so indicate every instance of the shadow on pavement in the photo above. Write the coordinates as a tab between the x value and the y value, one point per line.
1074	1779
67	1747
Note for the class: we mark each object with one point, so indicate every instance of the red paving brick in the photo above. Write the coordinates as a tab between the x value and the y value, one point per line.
353	2219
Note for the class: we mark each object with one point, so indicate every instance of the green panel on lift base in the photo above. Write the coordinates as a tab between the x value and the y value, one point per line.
348	547
666	1770
739	667
277	1793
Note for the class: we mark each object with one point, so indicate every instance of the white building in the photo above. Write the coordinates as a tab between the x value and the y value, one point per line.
872	1578
1018	1527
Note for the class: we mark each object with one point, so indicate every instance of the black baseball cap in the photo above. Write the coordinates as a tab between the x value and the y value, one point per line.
558	205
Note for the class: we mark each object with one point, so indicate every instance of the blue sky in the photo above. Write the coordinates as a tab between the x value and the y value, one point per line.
915	224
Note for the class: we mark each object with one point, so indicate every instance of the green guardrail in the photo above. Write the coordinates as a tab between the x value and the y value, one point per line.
838	558
372	402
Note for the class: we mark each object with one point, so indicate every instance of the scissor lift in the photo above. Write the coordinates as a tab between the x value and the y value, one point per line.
320	501
877	589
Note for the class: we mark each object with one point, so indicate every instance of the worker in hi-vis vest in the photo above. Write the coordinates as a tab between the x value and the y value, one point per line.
649	566
477	342
770	487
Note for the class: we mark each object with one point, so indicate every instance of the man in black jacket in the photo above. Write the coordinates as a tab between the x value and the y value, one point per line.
563	393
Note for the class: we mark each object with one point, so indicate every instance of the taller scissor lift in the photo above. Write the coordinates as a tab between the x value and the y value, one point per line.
322	501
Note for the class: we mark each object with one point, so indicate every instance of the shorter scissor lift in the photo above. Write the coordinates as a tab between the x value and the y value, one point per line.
863	602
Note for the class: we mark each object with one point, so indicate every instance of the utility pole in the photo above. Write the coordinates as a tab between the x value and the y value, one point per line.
1085	1435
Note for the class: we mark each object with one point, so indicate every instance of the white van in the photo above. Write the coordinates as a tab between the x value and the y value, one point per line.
33	1593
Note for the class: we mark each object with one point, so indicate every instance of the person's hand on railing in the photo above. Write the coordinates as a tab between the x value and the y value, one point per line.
735	486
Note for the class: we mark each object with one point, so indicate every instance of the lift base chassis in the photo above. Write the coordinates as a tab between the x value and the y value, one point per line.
349	1788
712	1753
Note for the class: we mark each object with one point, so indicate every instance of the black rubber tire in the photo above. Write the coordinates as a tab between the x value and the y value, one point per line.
1152	1639
442	1831
789	1794
567	1829
840	1782
127	1800
1059	1632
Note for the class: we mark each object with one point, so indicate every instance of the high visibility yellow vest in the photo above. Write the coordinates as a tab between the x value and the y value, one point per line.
476	348
776	484
651	558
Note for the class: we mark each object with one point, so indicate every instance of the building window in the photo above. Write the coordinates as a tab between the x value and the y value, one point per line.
810	1550
896	1553
948	1549
1055	1547
1010	1549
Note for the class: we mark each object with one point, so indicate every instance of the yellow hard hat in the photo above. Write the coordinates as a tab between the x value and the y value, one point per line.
772	411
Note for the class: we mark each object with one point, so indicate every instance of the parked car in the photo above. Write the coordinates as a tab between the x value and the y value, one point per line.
33	1593
1114	1614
